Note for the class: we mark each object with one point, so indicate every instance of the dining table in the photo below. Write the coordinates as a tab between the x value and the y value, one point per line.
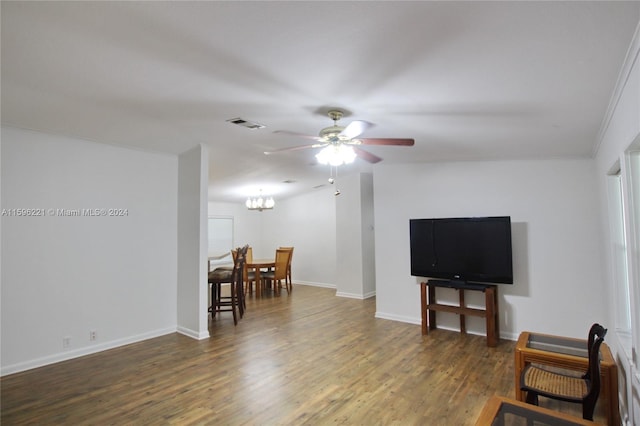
258	265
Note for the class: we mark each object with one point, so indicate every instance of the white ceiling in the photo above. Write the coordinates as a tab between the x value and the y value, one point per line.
466	80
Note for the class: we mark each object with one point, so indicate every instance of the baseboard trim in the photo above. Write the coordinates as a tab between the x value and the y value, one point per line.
76	353
356	295
315	284
409	320
193	334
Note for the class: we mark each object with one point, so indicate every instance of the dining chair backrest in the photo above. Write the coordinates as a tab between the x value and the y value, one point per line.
239	262
248	254
290	249
240	258
595	339
281	264
288	280
248	259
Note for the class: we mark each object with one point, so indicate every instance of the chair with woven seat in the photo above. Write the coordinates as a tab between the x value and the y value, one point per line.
538	380
249	276
288	280
233	303
279	272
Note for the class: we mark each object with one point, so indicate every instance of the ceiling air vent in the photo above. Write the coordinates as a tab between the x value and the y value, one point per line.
246	123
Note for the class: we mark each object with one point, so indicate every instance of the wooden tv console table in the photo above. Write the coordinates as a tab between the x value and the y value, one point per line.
430	307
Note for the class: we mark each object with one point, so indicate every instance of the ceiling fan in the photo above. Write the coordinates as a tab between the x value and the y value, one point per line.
339	140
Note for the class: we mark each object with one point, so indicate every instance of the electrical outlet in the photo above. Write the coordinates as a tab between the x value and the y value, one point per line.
66	341
92	335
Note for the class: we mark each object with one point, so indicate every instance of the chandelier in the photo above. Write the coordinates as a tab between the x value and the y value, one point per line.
336	155
260	203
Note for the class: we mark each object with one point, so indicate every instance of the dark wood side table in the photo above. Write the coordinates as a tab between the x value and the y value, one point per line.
569	353
500	411
430	306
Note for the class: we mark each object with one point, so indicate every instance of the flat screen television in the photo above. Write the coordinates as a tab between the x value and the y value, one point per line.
470	249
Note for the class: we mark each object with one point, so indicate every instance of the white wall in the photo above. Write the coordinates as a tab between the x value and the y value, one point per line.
355	237
349	238
368	236
65	276
308	223
556	236
247	225
192	286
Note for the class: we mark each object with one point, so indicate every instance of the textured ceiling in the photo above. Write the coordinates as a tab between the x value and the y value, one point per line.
466	80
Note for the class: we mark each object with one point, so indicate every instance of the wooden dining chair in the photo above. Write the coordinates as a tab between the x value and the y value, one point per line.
289	283
279	272
235	302
537	380
249	276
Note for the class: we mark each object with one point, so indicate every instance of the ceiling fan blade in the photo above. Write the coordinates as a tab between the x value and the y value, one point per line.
355	128
366	155
386	141
295	148
300	135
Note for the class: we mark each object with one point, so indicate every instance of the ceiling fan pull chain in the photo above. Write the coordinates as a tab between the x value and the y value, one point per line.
337	191
332	179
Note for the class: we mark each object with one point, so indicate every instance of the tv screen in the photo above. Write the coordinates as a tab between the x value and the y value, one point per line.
473	249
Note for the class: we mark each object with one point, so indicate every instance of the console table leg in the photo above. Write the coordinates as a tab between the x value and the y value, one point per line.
491	305
423	306
463	323
496	309
432	300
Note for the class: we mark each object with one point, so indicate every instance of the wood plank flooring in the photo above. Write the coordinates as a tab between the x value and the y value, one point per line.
309	358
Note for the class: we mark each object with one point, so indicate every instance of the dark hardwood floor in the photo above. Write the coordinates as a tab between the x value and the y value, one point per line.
306	358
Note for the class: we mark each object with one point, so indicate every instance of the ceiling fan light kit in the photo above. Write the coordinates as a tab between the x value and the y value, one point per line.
339	144
336	155
339	139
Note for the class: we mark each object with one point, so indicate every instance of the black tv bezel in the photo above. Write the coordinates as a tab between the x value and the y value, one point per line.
457	276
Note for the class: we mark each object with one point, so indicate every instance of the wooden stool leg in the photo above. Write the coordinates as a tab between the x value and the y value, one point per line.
215	299
234	302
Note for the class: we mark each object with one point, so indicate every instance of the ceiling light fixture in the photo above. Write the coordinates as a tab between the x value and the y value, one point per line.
260	203
336	155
